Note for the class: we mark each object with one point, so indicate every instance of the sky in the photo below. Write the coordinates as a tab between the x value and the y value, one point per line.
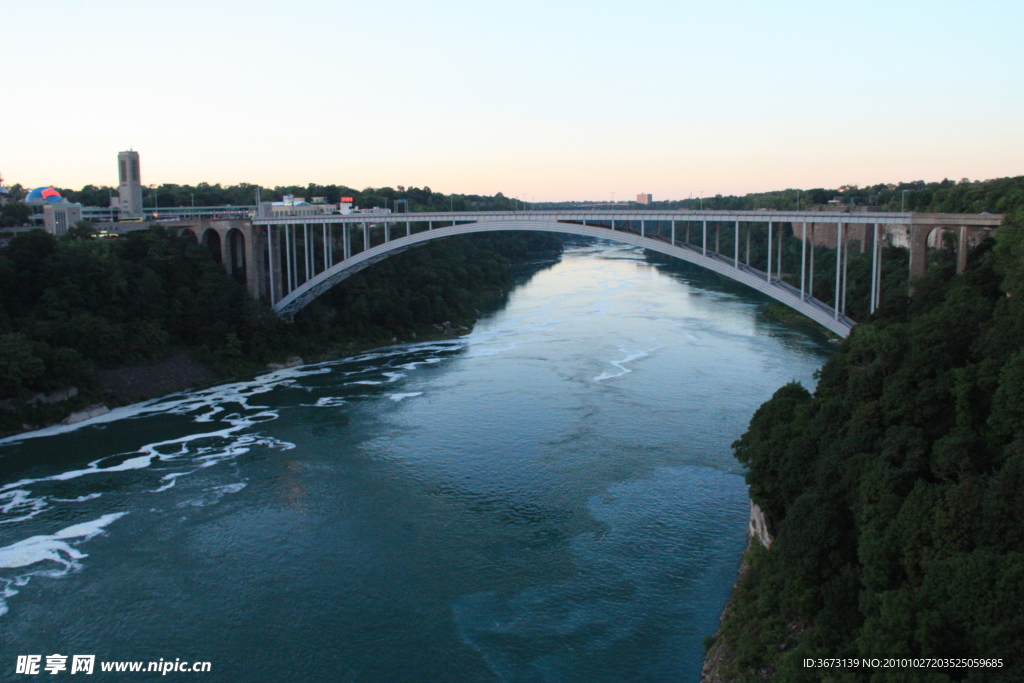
544	101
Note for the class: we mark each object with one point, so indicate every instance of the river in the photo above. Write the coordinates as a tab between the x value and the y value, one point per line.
551	497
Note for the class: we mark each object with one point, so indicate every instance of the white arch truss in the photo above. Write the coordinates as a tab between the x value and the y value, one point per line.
733	268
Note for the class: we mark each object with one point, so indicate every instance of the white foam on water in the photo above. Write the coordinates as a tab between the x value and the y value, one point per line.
171	480
398	397
329	402
212	496
19	501
55	548
620	364
230	409
210	401
80	499
199	451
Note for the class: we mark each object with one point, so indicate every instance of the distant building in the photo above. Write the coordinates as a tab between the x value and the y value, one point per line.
298	206
38	199
60	216
129	202
643	198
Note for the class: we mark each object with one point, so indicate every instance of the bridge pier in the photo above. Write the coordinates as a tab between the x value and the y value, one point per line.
917	236
254	245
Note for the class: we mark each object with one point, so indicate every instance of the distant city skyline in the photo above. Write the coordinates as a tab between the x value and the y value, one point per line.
541	101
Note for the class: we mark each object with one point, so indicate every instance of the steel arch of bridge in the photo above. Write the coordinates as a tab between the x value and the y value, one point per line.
731	267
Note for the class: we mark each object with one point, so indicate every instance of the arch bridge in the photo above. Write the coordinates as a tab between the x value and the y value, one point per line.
294	259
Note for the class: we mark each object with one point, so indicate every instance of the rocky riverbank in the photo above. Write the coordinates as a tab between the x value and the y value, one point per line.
719	652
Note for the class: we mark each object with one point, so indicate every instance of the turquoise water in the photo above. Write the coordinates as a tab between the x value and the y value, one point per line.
549	498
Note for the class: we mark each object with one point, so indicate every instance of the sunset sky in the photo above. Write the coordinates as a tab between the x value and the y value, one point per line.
540	100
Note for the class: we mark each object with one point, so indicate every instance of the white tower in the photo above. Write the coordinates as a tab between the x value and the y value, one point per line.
130	189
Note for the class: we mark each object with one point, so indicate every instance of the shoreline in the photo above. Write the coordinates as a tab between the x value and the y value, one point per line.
130	384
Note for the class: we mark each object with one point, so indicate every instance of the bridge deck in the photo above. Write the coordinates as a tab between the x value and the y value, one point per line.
863	218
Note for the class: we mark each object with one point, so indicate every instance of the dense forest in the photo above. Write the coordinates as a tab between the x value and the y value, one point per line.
70	307
245	194
895	492
1000	195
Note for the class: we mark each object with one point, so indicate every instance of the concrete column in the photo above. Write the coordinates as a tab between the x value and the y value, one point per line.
366	236
803	262
253	249
673	233
347	240
874	269
839	265
408	228
768	269
226	253
736	247
961	251
918	252
704	243
643	232
327	262
270	263
846	264
778	265
279	266
810	279
288	257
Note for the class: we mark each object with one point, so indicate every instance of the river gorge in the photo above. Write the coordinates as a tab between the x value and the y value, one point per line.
551	497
